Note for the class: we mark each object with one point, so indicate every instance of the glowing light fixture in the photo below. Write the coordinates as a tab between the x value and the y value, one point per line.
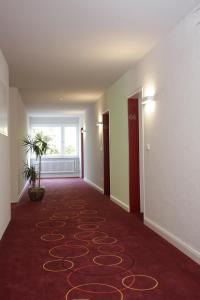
99	123
148	99
150	107
83	130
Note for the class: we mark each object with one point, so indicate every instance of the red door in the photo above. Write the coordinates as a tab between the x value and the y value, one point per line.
134	175
106	154
82	154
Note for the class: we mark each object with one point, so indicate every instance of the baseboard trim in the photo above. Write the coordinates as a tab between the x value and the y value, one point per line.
94	185
5	227
22	192
64	175
174	240
120	203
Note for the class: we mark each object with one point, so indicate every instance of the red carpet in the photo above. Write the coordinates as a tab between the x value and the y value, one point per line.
77	244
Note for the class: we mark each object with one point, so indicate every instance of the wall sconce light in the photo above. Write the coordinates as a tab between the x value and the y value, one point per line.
148	99
83	130
99	123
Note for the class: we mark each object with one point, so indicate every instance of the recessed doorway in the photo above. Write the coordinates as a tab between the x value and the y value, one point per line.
106	154
134	156
82	153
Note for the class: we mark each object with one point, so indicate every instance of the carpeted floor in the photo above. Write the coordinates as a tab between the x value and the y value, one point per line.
77	244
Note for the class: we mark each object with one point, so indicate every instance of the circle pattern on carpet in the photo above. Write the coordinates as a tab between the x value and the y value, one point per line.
50	224
107	260
68	251
58	265
52	237
139	282
95	292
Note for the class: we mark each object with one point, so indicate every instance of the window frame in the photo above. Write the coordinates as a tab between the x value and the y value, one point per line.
77	140
62	126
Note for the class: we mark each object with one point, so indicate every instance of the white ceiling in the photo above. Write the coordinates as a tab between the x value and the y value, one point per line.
75	49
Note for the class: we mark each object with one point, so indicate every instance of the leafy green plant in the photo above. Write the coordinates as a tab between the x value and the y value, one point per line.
30	174
37	145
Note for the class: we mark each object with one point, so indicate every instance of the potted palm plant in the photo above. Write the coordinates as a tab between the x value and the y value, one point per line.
30	174
39	146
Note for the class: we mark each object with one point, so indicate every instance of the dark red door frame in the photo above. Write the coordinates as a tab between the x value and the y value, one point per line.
82	154
106	153
134	168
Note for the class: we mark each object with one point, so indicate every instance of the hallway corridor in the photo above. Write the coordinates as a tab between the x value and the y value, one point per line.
77	244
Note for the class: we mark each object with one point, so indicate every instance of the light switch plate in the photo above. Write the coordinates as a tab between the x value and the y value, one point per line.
148	147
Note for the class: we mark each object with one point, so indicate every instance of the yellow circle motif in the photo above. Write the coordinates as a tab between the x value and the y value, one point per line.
89	235
61	267
91	219
50	224
104	241
154	285
95	260
51	237
80	288
57	248
88	226
110	248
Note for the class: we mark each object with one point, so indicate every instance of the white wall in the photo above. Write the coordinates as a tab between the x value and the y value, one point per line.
172	166
93	144
18	130
4	160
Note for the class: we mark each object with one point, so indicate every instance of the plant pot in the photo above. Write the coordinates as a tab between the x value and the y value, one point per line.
36	193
